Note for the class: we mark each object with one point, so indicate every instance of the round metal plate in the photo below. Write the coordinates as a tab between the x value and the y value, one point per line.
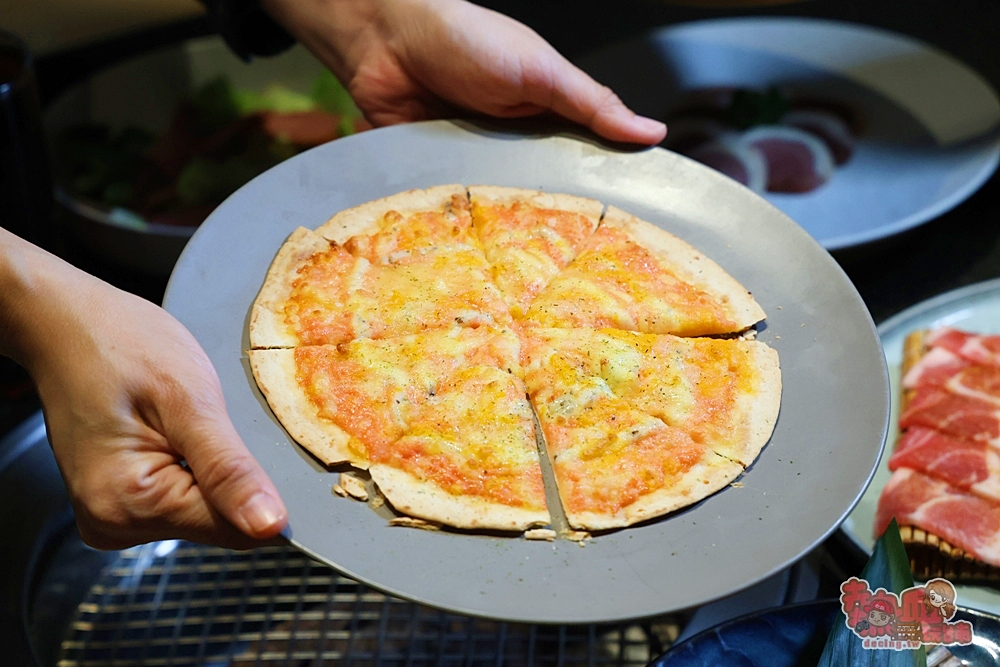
827	441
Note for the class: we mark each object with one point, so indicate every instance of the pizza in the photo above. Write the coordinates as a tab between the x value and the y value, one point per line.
449	340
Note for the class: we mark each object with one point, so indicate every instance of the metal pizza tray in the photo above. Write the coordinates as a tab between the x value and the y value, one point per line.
828	439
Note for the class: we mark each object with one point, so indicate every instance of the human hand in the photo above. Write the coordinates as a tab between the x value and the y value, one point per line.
128	395
408	60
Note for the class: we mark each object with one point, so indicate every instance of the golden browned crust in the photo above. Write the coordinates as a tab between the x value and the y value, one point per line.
275	373
759	410
590	208
364	219
267	319
711	474
425	500
691	266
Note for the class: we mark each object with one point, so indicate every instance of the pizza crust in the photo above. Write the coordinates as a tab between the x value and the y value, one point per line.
413	496
275	373
700	482
691	266
267	319
590	208
760	409
364	220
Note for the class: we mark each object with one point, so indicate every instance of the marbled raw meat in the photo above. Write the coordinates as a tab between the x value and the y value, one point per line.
958	517
796	160
934	368
943	368
977	348
966	464
953	414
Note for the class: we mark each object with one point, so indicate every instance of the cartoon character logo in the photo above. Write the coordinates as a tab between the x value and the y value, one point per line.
918	615
879	620
939	595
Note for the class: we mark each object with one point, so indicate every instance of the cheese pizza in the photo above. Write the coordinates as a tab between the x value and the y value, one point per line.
441	338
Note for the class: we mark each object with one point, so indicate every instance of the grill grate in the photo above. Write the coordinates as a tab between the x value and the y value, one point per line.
177	603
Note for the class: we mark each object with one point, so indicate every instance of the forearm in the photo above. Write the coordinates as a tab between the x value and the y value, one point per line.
41	299
23	287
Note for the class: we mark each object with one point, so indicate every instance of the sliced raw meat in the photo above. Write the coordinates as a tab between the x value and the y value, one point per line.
963	519
689	132
976	348
796	160
966	464
736	160
953	414
830	127
934	368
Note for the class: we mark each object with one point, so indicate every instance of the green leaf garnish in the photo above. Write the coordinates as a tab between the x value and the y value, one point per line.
888	568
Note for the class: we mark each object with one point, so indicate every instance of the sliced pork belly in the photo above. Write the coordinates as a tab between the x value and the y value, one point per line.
961	518
934	369
828	126
965	464
977	348
797	161
740	162
954	414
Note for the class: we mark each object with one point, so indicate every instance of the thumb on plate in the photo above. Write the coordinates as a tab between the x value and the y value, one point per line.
227	474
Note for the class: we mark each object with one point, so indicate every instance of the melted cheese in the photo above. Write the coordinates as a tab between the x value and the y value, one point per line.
400	235
615	282
527	246
338	297
448	406
625	413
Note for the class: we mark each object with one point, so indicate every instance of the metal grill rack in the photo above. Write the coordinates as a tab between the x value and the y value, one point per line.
177	603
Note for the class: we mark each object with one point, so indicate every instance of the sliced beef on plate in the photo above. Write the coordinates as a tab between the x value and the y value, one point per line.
961	518
954	414
965	464
796	160
977	348
742	163
830	127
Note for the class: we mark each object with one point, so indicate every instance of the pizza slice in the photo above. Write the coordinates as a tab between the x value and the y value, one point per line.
440	419
635	276
319	293
409	222
529	236
639	425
